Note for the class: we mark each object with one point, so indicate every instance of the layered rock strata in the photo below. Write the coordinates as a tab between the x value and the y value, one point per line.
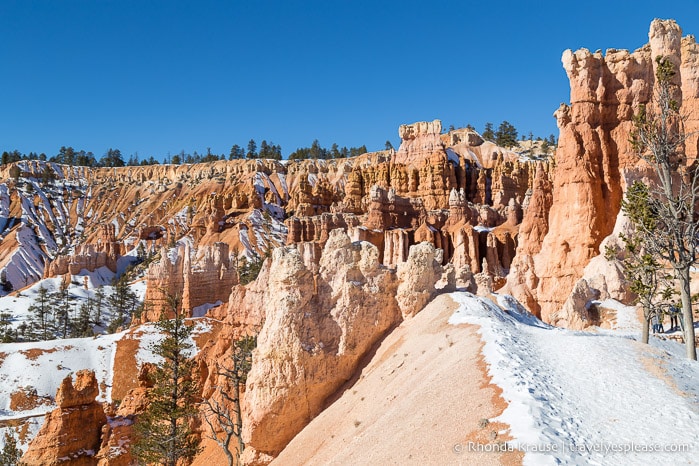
593	156
70	433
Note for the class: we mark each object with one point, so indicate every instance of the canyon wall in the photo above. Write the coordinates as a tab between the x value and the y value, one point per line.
594	155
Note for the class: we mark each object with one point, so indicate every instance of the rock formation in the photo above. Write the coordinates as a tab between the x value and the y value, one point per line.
197	277
593	155
90	257
70	433
318	328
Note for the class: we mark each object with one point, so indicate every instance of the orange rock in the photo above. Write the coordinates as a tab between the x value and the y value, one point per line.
70	433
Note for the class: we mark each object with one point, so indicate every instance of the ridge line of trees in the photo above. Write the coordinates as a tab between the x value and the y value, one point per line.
114	157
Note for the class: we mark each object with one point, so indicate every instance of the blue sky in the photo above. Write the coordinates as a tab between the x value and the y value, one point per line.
152	77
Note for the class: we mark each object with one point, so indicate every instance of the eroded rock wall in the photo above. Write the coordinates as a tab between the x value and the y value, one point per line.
594	153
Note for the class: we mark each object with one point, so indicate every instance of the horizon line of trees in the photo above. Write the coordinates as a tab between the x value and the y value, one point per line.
114	158
316	151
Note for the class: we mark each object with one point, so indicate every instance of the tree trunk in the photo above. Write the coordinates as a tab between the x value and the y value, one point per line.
646	327
238	419
687	314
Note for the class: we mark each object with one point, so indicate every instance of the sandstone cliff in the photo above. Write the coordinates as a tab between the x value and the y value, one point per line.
314	329
593	156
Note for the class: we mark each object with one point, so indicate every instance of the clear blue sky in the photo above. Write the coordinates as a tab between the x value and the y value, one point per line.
154	77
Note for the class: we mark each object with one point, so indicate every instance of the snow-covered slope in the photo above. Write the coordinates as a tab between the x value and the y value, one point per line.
574	398
31	372
587	398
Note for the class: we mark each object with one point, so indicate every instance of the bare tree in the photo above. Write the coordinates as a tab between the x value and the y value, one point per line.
670	224
647	278
224	415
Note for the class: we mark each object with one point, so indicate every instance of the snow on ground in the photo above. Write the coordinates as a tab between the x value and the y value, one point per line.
27	261
39	367
4	206
587	398
149	335
200	311
626	316
17	305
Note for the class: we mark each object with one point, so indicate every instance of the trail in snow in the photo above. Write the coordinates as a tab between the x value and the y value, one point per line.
573	395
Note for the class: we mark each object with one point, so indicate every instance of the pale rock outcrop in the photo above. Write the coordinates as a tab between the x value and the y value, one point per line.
575	312
105	253
396	247
313	337
418	141
417	277
70	433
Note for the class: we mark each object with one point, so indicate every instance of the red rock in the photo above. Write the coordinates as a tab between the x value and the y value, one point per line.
70	433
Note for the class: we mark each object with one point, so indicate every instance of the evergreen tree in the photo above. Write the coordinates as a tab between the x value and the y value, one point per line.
163	432
646	276
122	302
545	147
237	152
41	310
99	305
335	151
316	151
83	323
488	133
5	328
388	145
61	308
252	149
506	135
250	269
47	175
672	235
112	158
10	454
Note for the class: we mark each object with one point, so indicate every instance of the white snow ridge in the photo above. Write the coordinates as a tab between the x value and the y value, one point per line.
586	398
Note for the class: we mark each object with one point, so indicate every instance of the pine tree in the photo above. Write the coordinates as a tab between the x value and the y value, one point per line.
83	323
5	328
10	454
237	152
61	309
163	432
252	150
122	303
41	310
488	133
506	135
99	305
653	287
224	413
